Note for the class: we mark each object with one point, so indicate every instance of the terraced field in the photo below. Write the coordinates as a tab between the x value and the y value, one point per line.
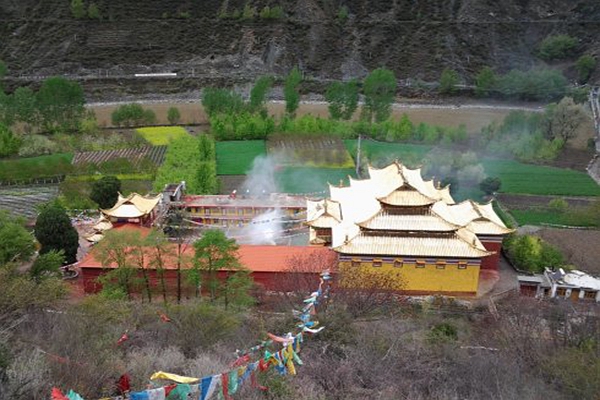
135	155
22	201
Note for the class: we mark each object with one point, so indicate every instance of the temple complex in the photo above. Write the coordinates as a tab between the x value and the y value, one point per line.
396	221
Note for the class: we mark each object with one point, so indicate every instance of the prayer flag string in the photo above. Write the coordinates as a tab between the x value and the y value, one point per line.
228	383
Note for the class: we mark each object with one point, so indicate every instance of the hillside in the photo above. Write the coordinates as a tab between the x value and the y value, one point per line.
415	39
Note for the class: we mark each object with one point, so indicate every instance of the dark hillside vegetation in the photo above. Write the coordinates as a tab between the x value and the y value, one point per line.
236	40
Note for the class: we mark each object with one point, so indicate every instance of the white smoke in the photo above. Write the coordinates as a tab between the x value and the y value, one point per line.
261	179
260	183
265	228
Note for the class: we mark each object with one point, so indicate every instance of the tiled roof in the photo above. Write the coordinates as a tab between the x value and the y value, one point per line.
323	213
255	258
406	198
429	223
132	206
452	246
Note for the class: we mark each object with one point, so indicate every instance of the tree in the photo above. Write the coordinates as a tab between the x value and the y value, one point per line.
485	82
105	191
93	12
173	115
343	99
206	178
3	69
290	91
206	148
562	120
258	94
61	104
77	9
9	143
585	65
557	47
161	251
25	106
16	244
54	231
221	101
379	89
448	81
115	254
214	253
47	265
490	185
237	288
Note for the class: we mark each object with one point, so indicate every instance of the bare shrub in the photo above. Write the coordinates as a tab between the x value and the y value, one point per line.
28	376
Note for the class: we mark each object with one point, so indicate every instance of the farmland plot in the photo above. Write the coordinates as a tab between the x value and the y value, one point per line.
307	151
23	201
135	155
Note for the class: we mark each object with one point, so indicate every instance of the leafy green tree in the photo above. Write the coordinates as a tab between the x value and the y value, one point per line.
105	191
485	82
115	254
78	9
379	89
9	143
221	101
61	104
258	94
448	81
249	12
173	115
490	185
562	120
585	65
343	99
206	148
47	265
206	178
237	288
54	231
93	11
557	47
536	84
290	91
16	244
25	106
215	252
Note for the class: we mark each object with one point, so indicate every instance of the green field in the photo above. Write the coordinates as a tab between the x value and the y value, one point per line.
35	167
311	180
161	135
538	217
536	179
409	154
236	157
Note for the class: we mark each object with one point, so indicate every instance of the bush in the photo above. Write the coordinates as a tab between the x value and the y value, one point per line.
9	143
443	332
173	115
132	115
585	65
221	101
532	254
490	185
93	12
77	9
485	82
249	12
536	84
557	47
558	205
241	126
448	81
36	145
342	14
